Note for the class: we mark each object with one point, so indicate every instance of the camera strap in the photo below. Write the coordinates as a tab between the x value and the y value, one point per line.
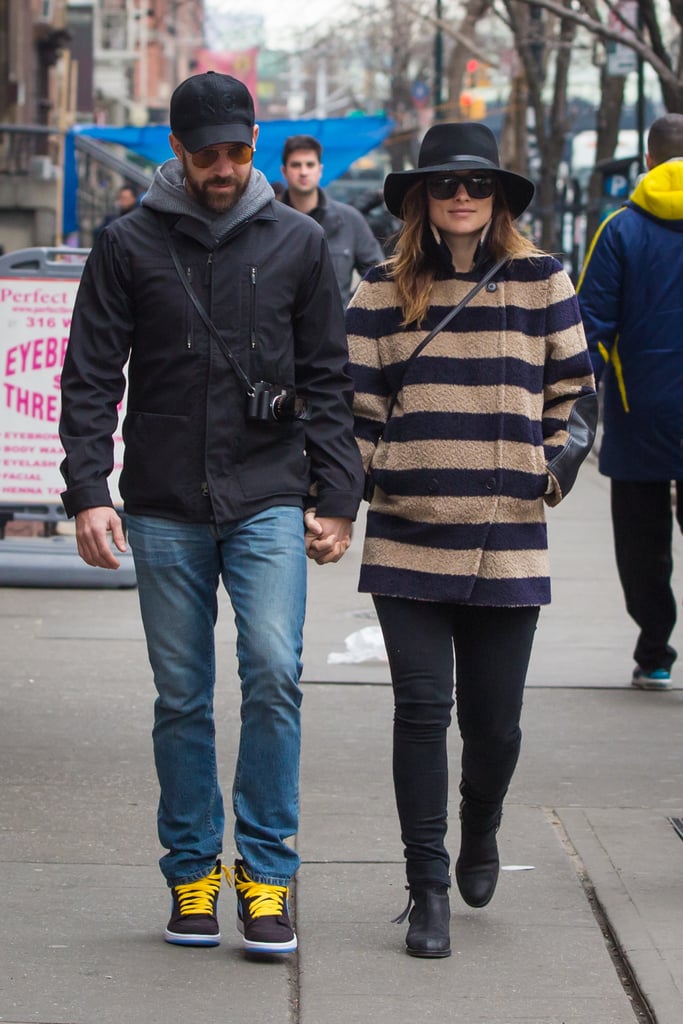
213	330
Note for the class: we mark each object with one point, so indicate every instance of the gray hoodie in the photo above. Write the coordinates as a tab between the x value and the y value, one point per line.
168	194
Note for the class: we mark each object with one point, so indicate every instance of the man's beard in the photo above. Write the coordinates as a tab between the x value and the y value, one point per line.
216	203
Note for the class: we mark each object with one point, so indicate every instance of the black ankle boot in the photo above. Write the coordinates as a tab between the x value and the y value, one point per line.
428	933
477	867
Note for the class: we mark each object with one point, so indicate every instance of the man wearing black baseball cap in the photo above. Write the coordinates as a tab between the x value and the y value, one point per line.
213	135
239	461
208	111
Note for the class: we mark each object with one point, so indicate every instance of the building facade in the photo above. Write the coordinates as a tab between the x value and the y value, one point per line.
68	61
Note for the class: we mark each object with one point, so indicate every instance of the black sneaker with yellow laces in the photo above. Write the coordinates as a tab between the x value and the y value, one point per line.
263	915
193	920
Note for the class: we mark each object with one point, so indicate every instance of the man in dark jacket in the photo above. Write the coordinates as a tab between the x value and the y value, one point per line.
126	200
352	244
631	297
225	306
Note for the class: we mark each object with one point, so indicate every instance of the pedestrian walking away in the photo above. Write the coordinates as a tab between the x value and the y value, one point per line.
474	407
224	303
631	297
352	243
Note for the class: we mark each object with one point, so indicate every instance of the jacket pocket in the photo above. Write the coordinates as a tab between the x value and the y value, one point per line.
161	465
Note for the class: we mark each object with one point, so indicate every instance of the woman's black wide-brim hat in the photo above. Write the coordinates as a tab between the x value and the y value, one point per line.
464	146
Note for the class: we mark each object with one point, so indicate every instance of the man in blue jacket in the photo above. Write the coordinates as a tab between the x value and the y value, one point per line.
224	305
631	296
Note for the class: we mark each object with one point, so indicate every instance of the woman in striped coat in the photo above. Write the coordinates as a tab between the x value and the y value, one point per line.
490	422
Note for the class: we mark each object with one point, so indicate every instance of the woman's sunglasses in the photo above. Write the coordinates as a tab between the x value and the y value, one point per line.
236	152
477	186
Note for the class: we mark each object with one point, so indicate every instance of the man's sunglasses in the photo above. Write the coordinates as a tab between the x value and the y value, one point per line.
477	186
236	152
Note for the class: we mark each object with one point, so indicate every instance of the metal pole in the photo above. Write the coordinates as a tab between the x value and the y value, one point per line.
438	65
640	108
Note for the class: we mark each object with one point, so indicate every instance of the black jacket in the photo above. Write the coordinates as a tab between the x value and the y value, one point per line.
351	243
191	453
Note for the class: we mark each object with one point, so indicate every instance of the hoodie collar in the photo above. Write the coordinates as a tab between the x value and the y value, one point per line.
168	194
660	191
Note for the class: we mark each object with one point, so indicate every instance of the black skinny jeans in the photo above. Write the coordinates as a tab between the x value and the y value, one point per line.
492	650
642	518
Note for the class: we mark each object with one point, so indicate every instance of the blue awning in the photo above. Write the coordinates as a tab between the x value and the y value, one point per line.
343	140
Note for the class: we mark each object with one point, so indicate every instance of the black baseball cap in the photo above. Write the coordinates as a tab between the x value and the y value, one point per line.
210	109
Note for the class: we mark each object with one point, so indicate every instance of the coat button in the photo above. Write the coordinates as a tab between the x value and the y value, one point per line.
491	286
491	483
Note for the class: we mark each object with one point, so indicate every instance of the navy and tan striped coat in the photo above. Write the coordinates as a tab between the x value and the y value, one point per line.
493	419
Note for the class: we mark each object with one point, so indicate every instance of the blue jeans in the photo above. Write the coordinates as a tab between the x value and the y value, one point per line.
262	563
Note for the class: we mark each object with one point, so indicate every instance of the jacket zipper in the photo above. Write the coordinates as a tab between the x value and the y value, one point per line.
204	487
188	340
252	308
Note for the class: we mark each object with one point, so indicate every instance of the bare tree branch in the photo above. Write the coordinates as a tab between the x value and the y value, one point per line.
454	32
598	28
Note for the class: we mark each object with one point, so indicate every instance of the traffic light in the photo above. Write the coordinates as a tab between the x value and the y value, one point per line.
471	69
472	108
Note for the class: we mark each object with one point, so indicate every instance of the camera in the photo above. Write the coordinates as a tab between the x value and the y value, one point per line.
275	403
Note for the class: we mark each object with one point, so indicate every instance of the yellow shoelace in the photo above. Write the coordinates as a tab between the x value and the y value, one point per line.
199	897
265	900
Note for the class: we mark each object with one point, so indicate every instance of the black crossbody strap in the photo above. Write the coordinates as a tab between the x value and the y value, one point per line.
442	323
213	330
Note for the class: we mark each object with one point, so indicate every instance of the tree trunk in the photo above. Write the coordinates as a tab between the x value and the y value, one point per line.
608	118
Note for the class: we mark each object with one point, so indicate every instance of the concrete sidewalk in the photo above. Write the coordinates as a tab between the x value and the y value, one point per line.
589	911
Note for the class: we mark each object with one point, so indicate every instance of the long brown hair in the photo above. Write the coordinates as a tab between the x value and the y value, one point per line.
412	270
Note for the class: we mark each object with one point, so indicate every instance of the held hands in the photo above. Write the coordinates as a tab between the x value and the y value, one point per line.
92	527
326	538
